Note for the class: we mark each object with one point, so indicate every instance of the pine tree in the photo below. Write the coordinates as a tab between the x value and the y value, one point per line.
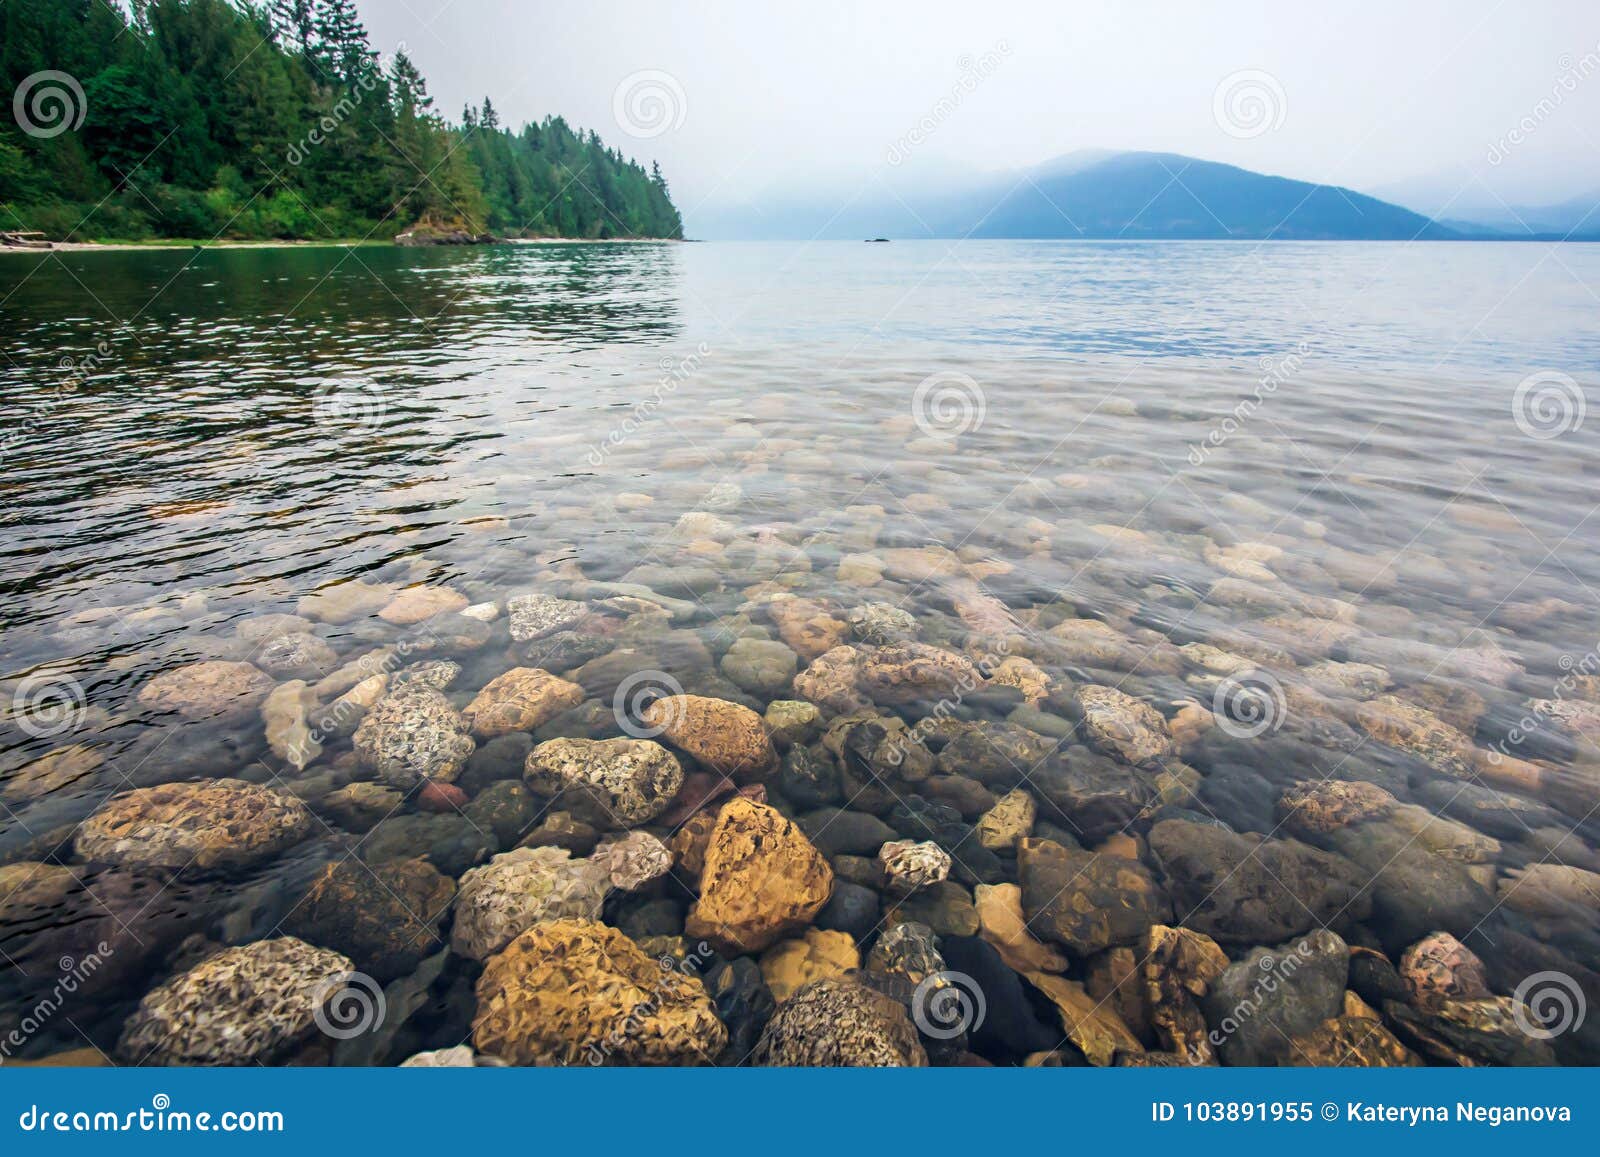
342	47
294	24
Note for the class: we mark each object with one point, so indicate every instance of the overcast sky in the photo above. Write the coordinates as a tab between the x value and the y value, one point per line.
735	100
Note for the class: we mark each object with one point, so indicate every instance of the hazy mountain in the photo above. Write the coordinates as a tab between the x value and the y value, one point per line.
1489	202
1093	194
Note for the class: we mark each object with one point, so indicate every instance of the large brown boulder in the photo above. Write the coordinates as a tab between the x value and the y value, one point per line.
218	823
214	689
913	672
761	880
521	699
726	737
578	992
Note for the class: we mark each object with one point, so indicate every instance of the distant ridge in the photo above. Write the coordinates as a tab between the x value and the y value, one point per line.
1167	195
1096	194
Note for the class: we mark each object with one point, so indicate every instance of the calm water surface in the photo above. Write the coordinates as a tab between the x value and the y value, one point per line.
1378	450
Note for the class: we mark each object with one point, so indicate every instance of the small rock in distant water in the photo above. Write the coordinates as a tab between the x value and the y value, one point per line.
346	602
418	604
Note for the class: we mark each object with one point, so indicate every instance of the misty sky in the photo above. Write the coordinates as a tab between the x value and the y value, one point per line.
1401	98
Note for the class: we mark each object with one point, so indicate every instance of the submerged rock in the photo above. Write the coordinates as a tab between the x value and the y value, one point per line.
762	879
535	615
743	1003
215	689
830	680
285	714
903	673
880	624
1093	1028
1000	755
518	889
724	736
217	824
62	770
946	907
297	656
1120	725
789	965
1420	733
1087	902
1472	1032
1315	809
247	1005
1009	822
614	782
414	734
1003	925
909	953
792	721
1411	891
1351	1042
385	919
1249	889
808	780
760	666
835	1022
635	860
1272	995
346	602
521	699
909	865
573	991
1439	968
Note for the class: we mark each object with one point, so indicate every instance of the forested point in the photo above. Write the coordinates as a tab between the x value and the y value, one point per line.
208	119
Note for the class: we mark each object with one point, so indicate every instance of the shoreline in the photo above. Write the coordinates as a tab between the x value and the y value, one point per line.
178	243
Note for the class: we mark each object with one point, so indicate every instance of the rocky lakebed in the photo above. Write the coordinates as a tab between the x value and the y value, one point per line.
704	814
760	655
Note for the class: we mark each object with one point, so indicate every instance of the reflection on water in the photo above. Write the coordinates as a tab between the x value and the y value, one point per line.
1291	497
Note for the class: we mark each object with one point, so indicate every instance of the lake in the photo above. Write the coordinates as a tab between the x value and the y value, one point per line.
1147	551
